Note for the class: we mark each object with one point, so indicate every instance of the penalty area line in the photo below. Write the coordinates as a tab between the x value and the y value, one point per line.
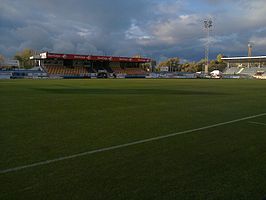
257	123
46	162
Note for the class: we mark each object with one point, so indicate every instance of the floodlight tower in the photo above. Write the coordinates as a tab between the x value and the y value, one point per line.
250	49
208	24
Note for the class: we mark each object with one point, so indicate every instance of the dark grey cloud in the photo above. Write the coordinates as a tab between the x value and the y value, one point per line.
151	27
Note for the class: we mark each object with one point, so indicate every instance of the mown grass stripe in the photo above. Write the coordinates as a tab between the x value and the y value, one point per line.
46	162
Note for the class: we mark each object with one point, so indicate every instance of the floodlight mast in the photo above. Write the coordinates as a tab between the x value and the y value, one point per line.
208	24
249	51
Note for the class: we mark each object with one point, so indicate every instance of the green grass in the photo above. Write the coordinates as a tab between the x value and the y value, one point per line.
47	119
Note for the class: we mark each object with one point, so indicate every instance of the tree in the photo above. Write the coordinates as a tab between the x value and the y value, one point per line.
24	57
2	58
185	67
214	64
217	64
219	58
172	63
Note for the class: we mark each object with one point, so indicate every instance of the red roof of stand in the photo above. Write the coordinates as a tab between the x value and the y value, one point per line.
94	58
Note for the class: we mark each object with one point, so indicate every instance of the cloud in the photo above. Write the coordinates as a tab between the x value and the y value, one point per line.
151	27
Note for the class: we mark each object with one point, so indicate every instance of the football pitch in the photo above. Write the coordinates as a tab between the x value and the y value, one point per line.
133	139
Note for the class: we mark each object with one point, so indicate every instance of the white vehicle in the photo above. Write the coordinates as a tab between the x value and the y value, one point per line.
216	74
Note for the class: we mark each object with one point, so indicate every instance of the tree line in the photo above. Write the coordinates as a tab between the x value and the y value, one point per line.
174	65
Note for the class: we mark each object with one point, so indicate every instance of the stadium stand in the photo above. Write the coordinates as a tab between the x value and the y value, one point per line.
73	65
251	71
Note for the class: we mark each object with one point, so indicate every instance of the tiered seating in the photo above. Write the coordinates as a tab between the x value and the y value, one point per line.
119	70
128	71
90	69
109	69
98	68
135	71
59	70
250	71
231	70
66	71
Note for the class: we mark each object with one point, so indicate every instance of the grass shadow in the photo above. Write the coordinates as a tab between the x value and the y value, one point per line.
121	91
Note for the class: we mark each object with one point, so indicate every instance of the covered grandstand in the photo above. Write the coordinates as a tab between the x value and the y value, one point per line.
89	66
253	66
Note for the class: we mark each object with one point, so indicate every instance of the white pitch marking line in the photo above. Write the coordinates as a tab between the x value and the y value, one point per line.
258	123
46	162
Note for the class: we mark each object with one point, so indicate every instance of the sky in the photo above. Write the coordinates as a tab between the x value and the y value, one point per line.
152	28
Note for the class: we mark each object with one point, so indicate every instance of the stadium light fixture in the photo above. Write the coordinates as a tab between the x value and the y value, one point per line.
208	24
